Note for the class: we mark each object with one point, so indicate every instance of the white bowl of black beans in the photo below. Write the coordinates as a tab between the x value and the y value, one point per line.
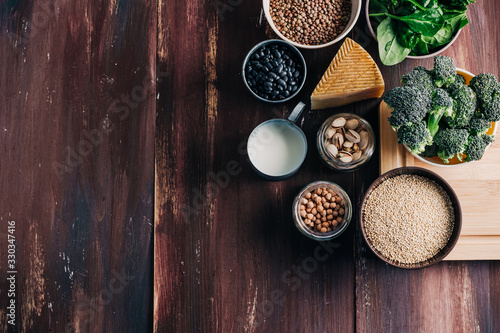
312	24
274	71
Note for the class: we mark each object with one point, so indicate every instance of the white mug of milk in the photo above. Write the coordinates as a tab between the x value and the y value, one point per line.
277	147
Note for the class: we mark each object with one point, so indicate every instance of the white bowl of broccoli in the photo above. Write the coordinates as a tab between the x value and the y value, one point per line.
445	116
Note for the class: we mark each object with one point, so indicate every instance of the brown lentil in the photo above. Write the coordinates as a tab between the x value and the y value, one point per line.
310	22
325	220
408	218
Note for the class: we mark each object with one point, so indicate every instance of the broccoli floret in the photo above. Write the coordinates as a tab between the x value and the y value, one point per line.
444	72
416	136
487	90
409	105
476	145
464	106
451	142
442	104
478	126
419	76
430	151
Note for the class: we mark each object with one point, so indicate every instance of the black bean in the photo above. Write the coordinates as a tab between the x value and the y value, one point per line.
283	74
273	75
296	74
292	83
286	93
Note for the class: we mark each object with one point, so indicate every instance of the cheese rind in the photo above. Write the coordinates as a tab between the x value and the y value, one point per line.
351	76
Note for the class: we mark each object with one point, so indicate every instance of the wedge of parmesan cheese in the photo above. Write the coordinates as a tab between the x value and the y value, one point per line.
352	76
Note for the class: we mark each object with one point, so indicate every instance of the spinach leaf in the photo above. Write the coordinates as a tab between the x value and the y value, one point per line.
377	7
427	23
420	48
443	36
390	50
456	18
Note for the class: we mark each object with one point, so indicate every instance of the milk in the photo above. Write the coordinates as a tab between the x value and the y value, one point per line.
277	148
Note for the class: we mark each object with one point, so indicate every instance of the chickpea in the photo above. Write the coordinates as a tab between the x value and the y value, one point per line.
302	207
335	213
308	210
308	195
333	205
325	224
329	217
328	196
337	207
323	229
323	200
338	199
329	211
323	219
341	211
310	216
318	191
339	219
314	211
326	205
304	201
320	208
318	216
318	200
310	204
335	224
303	213
318	227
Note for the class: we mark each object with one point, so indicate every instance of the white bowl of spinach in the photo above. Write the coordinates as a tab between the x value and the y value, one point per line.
415	28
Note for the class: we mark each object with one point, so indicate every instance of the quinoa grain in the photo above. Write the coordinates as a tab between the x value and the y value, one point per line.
408	218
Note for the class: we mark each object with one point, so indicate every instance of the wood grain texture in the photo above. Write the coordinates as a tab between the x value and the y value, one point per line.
227	255
76	167
459	296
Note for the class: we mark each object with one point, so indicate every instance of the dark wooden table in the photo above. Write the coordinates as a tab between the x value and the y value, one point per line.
119	123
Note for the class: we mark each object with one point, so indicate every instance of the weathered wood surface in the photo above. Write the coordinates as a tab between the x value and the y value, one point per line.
77	115
227	257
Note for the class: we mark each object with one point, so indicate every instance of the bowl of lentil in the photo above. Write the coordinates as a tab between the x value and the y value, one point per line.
410	218
322	210
274	71
312	24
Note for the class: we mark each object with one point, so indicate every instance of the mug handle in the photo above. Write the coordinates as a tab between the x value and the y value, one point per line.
297	111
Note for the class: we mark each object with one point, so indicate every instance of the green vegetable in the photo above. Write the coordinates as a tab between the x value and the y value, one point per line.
416	136
436	114
390	50
451	142
487	90
476	145
442	104
415	27
409	103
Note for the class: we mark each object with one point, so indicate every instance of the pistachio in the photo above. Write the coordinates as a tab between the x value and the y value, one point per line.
351	124
355	147
345	157
348	144
363	140
338	122
357	155
332	149
338	140
352	136
329	133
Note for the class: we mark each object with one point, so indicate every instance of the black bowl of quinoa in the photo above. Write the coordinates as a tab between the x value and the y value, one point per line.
410	218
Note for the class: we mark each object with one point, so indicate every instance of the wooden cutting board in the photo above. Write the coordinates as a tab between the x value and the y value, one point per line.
477	185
